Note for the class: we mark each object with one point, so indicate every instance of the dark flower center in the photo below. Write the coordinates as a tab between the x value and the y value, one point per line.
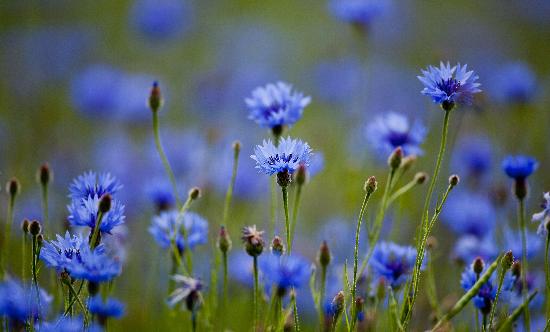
272	160
398	138
275	107
450	86
397	267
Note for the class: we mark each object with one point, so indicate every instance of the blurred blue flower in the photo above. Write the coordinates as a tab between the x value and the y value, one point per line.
472	157
392	130
67	324
393	263
484	298
512	241
18	303
161	20
448	85
513	293
468	247
105	309
160	193
241	268
131	98
469	213
276	105
286	157
84	212
316	164
519	167
189	288
360	12
337	231
167	227
337	81
94	266
91	184
514	83
284	272
543	217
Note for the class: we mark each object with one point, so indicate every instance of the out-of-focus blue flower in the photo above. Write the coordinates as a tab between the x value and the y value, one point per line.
189	287
286	157
276	105
360	12
468	247
161	20
513	292
160	193
338	81
67	324
449	85
519	167
84	212
131	99
284	272
512	241
18	303
337	231
241	268
514	83
391	130
58	254
469	213
94	265
543	217
486	295
472	157
316	164
91	184
95	91
169	226
392	262
110	308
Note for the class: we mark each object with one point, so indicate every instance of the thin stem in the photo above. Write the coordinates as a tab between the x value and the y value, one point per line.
186	251
273	206
524	290
296	318
322	295
78	300
96	231
5	237
255	297
68	310
547	274
45	203
164	159
411	298
194	321
224	259
403	190
287	219
295	211
501	274
507	324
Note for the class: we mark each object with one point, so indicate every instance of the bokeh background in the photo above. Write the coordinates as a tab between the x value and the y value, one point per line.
75	76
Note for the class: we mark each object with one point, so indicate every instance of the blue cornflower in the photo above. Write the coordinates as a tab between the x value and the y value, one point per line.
392	262
105	309
519	167
514	83
472	157
161	20
284	158
68	324
514	286
392	130
159	191
91	184
337	80
360	12
484	298
18	303
94	266
448	85
543	217
189	292
276	105
169	226
469	213
468	247
285	272
84	212
58	254
512	241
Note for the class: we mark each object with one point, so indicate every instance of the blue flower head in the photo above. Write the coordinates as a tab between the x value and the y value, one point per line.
286	157
392	130
284	272
543	217
169	226
512	241
468	247
472	157
68	324
392	262
448	85
159	191
486	295
188	292
94	265
18	303
84	212
110	308
91	184
59	253
519	167
359	12
514	83
276	105
469	213
161	20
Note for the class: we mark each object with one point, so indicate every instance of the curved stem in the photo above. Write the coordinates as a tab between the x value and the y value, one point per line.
295	211
524	290
287	219
164	159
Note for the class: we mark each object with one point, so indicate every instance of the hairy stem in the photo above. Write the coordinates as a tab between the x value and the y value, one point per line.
287	219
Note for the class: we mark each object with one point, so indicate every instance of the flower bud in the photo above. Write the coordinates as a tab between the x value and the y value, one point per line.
284	178
155	98
194	193
40	240
516	269
337	305
65	277
324	254
370	185
420	177
395	158
277	130
105	203
359	306
253	240
301	174
478	265
432	243
277	247
454	180
25	226
520	188
44	174
236	147
408	162
224	241
194	301
507	260
13	187
35	228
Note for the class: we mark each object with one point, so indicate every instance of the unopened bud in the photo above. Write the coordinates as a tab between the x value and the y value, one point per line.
13	187
25	226
44	174
65	277
284	178
237	147
35	228
507	260
194	193
420	177
478	265
395	158
253	240
454	180
301	174
520	188
338	305
105	203
431	243
408	162
516	269
370	185
359	305
324	254
277	247
155	98
40	240
224	241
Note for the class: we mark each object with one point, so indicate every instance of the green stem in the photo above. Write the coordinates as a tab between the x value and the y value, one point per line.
255	295
5	237
273	206
68	310
287	219
403	190
356	254
507	324
78	300
229	193
296	318
411	298
96	231
186	251
547	274
295	211
224	259
501	274
322	295
164	159
45	204
431	289
524	269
